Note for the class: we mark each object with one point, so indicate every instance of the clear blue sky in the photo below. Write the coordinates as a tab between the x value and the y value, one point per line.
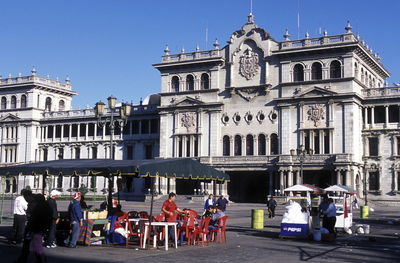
108	46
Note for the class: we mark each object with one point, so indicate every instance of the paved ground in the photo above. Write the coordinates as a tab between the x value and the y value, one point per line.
245	244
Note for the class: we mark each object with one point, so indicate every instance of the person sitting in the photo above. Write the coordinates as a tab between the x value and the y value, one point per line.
218	213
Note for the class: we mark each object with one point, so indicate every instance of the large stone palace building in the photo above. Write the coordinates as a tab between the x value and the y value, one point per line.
244	108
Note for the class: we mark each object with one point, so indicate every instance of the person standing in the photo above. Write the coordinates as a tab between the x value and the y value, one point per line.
271	207
51	240
76	219
210	202
222	202
170	209
20	207
330	213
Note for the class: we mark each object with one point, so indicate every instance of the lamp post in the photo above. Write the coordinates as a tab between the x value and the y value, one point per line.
365	183
300	153
111	119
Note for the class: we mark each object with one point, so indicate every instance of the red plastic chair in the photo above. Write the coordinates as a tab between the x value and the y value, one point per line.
143	214
220	232
202	231
189	222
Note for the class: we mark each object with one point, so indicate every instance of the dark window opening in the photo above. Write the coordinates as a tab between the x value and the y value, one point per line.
13	102
50	130
126	129
261	144
135	127
188	146
77	153
298	72
226	146
274	144
238	145
45	154
196	146
316	142
379	114
129	152
145	127
249	145
189	82
74	130
94	152
154	126
175	84
394	113
60	181
48	104
61	153
91	129
205	81
316	71
3	103
373	146
66	131
149	151
335	70
82	130
58	131
326	142
180	145
373	181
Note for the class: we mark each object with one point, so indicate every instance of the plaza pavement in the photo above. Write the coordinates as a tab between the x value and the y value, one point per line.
244	244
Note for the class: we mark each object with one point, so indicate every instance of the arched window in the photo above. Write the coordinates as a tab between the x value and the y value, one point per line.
61	105
362	75
48	104
373	83
13	102
175	84
274	144
316	71
249	145
370	81
3	103
238	145
23	101
298	72
226	146
261	145
189	82
355	70
205	81
335	70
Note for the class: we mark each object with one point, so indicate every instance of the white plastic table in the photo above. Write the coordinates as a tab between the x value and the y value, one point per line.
135	221
162	224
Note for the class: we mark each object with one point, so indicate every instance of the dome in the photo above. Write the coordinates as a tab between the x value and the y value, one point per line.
152	99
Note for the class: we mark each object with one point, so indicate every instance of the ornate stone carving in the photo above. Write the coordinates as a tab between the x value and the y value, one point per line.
248	117
316	113
188	120
248	64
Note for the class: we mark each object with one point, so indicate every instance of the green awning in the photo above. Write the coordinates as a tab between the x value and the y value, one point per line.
180	168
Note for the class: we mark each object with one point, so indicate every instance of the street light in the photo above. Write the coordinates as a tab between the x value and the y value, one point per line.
112	118
365	183
300	153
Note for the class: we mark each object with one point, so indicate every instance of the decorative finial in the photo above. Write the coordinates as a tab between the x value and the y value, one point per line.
250	19
197	48
33	71
307	35
348	27
166	50
67	79
358	36
286	35
183	50
216	44
325	33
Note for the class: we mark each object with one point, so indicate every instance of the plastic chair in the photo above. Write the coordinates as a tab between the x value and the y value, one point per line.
220	231
188	226
111	236
144	214
202	231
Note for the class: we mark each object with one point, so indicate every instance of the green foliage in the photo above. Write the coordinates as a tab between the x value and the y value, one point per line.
83	189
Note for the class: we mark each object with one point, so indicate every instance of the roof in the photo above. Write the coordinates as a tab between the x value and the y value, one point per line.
304	188
340	188
180	168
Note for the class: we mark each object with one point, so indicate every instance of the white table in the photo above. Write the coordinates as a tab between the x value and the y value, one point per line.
166	225
135	221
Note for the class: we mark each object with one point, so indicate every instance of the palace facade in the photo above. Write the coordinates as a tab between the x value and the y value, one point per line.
244	108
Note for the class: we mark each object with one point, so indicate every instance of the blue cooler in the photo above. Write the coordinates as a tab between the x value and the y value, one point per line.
294	230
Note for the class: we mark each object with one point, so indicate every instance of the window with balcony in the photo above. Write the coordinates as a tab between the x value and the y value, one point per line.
316	71
48	104
249	145
189	82
262	145
298	72
13	102
335	70
373	146
274	144
3	103
226	146
23	101
205	81
238	145
175	84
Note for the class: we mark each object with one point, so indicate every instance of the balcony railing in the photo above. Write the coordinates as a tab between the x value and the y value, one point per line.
214	53
381	92
37	79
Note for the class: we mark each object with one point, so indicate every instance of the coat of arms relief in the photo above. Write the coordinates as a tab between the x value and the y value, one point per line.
249	64
316	113
188	121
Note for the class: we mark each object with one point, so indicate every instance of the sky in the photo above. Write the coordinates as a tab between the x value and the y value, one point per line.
107	47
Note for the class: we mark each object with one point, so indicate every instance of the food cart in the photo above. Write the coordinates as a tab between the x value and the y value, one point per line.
343	197
307	196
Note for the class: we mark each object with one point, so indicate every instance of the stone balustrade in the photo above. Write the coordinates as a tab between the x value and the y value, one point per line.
214	53
381	92
35	79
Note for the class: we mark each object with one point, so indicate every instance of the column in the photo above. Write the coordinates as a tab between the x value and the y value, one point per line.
338	179
70	132
281	182
366	117
270	181
312	134
104	132
62	132
321	142
243	153
46	128
348	177
386	116
372	116
54	133
78	132
86	131
95	131
267	148
290	177
301	106
331	144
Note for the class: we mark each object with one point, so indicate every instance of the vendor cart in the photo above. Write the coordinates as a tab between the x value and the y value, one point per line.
343	197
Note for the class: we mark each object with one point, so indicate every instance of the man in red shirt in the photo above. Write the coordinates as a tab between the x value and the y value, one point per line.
170	210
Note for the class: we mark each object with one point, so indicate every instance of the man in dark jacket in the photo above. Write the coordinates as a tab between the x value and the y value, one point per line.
76	218
271	207
51	241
